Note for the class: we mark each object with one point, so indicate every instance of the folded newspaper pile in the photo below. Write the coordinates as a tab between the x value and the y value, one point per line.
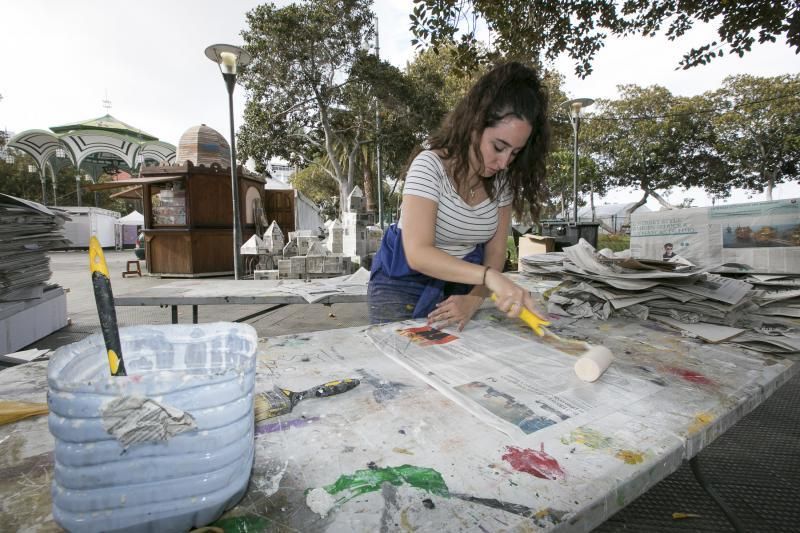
27	231
760	312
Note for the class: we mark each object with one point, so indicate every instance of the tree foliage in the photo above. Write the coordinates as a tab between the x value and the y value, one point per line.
758	130
303	55
744	135
530	30
652	140
316	95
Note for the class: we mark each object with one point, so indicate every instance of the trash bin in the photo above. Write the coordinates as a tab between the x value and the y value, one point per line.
568	234
170	446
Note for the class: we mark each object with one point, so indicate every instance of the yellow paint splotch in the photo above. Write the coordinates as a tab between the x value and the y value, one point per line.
631	457
589	438
700	421
402	450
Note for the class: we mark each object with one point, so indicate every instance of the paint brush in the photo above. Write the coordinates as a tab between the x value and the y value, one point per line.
281	401
104	298
537	324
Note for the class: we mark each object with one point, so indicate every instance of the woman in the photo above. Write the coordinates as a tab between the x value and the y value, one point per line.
448	250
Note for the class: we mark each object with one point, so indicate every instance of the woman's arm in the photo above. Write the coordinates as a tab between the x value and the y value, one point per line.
418	220
496	249
419	224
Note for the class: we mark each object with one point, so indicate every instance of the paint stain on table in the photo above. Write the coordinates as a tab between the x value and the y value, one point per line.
700	421
689	375
597	441
630	457
536	463
589	438
371	479
403	451
284	425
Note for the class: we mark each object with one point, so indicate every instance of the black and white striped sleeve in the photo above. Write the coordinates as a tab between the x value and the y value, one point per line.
424	177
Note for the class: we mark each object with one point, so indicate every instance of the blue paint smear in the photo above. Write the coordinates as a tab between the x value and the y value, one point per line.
283	426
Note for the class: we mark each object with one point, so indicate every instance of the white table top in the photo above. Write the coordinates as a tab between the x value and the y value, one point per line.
218	292
325	465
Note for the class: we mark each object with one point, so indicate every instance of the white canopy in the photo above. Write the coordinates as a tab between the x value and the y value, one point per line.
134	218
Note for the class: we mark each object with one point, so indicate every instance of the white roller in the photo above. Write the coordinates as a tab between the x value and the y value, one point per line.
591	365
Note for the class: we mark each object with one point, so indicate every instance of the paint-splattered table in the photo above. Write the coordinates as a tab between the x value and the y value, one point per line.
273	293
395	453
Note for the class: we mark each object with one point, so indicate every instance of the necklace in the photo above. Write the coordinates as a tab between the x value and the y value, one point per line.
472	189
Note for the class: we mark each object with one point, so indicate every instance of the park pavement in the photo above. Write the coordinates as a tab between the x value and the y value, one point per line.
755	466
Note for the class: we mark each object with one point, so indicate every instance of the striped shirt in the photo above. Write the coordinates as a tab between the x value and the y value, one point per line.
459	226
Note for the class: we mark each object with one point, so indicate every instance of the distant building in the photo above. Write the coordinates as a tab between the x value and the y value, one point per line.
281	172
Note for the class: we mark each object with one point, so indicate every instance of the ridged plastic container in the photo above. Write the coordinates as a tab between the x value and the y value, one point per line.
183	482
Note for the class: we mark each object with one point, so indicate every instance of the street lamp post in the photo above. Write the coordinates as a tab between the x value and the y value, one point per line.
378	133
574	107
229	58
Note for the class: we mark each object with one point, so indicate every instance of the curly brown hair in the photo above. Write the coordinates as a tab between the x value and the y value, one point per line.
508	90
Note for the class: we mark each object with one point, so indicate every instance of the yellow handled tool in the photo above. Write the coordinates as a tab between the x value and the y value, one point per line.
537	324
104	298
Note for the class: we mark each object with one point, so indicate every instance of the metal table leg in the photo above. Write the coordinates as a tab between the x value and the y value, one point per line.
262	312
194	314
174	314
694	464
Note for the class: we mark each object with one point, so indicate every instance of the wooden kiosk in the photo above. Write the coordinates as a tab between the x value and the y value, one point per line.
188	218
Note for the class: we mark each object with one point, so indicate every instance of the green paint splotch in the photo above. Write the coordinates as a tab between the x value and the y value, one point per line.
370	480
241	524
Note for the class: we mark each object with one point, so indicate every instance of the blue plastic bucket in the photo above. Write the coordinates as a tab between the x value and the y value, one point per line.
169	447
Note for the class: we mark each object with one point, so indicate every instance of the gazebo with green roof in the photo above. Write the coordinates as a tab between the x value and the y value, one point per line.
95	145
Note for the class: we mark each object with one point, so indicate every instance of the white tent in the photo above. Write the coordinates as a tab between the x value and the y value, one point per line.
126	229
134	218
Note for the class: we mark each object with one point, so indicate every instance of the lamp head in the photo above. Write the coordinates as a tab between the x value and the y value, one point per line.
228	57
575	105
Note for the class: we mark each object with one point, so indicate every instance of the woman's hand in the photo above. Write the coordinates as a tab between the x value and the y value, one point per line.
455	310
511	298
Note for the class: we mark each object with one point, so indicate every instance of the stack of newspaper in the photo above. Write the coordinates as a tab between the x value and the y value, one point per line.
706	305
27	231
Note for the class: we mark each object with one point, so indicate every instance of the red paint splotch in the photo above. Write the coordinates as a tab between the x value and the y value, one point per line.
690	375
532	462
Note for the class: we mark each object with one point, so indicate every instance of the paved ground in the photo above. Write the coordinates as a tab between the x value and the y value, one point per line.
755	465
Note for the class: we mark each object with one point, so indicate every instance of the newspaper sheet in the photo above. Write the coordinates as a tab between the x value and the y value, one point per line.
515	384
762	235
314	291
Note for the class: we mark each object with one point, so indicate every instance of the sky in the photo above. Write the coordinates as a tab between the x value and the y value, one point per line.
146	58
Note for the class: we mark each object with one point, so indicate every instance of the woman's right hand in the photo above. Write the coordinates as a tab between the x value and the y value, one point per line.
511	298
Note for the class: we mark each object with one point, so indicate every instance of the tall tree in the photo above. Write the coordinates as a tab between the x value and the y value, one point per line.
653	141
303	55
759	130
580	27
315	94
17	180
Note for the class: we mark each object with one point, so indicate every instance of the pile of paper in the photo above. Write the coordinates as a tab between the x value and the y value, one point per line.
759	311
27	231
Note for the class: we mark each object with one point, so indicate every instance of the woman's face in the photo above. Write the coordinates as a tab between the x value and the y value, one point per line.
501	143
